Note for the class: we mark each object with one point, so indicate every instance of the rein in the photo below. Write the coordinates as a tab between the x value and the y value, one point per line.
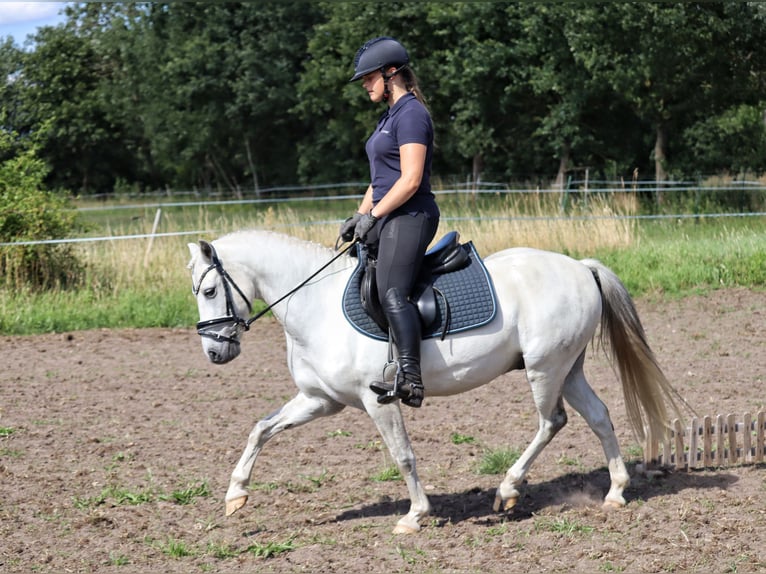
204	327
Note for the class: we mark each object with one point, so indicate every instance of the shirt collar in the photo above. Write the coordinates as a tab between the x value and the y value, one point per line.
403	99
390	112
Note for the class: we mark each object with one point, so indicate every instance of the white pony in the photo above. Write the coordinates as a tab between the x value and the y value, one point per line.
549	307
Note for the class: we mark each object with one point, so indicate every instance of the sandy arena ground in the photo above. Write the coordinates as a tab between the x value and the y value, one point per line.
116	449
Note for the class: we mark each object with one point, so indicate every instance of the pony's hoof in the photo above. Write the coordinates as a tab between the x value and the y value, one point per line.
403	529
505	506
235	504
610	505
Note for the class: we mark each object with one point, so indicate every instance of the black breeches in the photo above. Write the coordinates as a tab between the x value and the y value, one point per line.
402	244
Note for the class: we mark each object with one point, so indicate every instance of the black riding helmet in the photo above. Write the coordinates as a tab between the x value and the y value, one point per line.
379	54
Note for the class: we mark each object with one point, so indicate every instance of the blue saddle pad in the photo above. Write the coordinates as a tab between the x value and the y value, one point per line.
469	293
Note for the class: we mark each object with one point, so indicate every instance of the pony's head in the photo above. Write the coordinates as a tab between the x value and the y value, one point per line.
224	306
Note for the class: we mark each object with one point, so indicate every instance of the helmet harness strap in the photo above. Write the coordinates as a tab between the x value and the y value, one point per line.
386	77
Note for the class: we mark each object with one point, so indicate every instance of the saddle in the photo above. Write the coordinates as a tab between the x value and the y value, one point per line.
453	292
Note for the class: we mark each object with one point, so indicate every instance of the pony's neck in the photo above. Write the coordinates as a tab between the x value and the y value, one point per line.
275	263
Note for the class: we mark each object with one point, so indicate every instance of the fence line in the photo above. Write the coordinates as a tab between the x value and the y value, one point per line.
479	188
711	442
620	185
105	238
335	221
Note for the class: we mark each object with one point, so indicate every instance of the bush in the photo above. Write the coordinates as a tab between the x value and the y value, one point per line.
28	212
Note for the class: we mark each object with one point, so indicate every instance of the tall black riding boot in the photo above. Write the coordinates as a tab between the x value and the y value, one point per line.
404	322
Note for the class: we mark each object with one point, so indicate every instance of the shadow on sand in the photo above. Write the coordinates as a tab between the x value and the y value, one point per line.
572	490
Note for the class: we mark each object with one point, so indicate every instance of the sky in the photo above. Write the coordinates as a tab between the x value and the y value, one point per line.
18	19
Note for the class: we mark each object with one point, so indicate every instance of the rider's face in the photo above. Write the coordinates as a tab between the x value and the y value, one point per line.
374	85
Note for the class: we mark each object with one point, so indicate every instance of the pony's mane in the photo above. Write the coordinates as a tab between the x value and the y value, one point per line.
264	236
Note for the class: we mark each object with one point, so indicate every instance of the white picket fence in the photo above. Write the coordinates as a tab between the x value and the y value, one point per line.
711	441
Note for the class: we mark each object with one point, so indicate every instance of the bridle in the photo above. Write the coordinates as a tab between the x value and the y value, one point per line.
205	328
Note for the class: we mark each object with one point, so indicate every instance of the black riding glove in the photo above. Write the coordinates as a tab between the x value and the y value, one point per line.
348	226
365	224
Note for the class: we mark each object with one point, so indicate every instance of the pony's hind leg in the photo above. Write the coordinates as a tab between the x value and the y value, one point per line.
579	394
552	418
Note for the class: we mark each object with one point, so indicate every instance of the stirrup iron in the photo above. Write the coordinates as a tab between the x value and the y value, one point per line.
388	389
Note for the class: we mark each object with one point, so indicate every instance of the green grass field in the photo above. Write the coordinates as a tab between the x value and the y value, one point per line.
145	283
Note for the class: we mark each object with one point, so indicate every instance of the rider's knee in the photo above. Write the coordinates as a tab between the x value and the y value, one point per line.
394	299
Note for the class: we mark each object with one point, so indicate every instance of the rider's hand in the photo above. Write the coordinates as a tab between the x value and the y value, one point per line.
348	226
365	224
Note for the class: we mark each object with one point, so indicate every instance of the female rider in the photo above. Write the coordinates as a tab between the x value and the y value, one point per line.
398	216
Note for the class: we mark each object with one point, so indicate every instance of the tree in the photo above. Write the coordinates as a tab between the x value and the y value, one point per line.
337	117
62	89
238	95
29	212
480	91
656	57
10	95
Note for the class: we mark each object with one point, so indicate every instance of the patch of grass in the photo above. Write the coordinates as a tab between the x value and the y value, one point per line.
86	502
125	496
338	433
298	487
264	486
187	495
410	556
457	438
118	559
498	530
121	457
569	461
270	549
221	550
11	453
634	451
498	461
371	445
175	548
125	288
319	480
562	526
387	474
6	431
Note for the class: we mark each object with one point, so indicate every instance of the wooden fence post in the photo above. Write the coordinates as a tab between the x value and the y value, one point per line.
710	443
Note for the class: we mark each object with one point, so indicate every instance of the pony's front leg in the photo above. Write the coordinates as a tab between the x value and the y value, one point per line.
300	410
388	419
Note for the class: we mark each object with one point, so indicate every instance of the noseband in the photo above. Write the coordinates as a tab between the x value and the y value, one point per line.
204	328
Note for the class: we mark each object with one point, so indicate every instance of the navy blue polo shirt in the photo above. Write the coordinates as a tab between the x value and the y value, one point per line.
407	121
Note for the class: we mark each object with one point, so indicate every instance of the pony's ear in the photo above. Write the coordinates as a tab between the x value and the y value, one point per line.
206	249
202	250
194	251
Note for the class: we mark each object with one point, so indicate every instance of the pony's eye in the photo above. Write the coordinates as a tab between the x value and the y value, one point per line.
209	292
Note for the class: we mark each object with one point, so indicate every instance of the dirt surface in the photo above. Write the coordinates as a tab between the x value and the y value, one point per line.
105	434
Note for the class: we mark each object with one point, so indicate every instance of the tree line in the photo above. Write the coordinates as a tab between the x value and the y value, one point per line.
238	96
